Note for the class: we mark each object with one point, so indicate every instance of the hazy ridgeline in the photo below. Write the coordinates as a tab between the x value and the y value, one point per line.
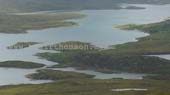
44	5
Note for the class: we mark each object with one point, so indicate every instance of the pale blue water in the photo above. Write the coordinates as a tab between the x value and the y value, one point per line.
165	56
97	28
10	76
99	75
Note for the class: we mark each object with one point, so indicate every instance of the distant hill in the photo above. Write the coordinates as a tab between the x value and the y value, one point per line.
44	5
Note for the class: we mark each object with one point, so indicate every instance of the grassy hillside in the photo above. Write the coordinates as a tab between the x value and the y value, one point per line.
90	87
157	43
44	5
20	23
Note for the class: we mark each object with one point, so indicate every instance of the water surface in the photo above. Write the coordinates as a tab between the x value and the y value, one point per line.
97	28
99	75
9	76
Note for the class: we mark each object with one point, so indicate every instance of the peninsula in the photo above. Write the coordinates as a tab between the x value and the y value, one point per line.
128	57
20	64
13	23
21	45
71	45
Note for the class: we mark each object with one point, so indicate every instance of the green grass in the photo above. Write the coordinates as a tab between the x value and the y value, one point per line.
71	83
11	23
20	64
157	43
44	5
108	63
47	74
89	87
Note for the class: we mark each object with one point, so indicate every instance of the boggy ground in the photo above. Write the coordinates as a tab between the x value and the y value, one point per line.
81	84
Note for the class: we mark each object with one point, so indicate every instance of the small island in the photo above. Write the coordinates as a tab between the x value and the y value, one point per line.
21	64
21	45
71	45
134	8
47	74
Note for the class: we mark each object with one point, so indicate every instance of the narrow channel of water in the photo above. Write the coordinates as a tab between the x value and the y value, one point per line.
99	75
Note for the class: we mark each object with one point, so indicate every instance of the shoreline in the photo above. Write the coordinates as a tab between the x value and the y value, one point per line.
22	23
121	52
